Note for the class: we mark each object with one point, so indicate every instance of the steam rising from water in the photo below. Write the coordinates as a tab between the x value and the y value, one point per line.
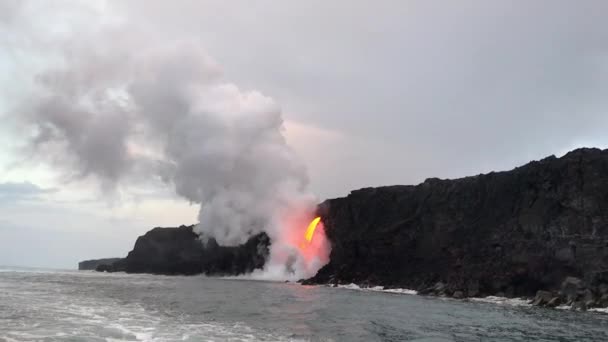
123	105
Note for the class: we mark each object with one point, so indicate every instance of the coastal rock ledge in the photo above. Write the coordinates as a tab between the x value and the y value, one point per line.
538	231
91	265
179	251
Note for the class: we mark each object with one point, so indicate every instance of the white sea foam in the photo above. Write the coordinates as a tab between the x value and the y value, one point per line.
48	308
378	289
569	307
518	302
503	301
490	299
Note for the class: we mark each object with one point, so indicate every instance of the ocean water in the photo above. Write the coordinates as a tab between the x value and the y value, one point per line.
39	305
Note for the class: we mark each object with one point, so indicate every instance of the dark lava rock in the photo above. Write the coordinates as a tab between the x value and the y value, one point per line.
542	298
603	301
554	302
516	232
581	306
89	265
571	289
458	295
179	251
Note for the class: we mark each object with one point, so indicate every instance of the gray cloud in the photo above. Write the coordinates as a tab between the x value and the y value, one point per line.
404	90
111	103
445	89
9	8
13	191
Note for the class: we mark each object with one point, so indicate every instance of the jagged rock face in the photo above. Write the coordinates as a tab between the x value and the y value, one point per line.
89	265
512	232
180	251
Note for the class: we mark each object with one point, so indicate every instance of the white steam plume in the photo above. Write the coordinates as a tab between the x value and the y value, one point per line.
115	104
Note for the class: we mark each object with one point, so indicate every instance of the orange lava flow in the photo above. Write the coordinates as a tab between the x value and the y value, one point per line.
310	231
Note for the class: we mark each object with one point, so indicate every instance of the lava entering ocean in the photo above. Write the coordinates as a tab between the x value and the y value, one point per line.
298	249
314	248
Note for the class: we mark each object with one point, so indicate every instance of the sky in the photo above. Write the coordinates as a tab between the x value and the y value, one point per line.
371	93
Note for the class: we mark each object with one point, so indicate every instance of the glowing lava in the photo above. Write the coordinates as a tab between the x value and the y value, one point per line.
300	248
310	231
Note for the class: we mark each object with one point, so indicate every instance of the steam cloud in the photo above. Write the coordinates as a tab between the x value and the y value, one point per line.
115	111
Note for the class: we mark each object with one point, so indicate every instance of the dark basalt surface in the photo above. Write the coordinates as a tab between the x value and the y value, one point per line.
179	251
89	265
510	233
538	231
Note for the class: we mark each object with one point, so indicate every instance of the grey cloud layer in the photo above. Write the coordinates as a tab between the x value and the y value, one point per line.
404	89
416	88
116	102
13	192
444	88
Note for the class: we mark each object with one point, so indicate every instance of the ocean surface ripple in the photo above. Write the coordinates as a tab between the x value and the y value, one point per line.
42	305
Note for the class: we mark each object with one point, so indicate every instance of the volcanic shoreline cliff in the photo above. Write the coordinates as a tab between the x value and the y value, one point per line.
540	227
179	251
89	265
538	230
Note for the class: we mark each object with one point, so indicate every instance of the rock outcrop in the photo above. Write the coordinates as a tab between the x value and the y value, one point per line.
179	251
89	265
538	231
510	233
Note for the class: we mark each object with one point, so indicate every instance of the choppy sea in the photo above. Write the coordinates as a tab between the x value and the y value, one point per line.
45	305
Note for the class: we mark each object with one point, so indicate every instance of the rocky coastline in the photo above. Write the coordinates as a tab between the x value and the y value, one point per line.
179	251
91	265
539	231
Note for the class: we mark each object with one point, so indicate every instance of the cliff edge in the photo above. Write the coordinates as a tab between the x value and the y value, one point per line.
89	265
179	251
539	227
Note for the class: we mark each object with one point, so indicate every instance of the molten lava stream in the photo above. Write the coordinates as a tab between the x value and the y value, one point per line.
307	248
310	231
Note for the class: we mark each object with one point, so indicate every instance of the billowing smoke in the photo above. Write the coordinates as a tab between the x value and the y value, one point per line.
118	105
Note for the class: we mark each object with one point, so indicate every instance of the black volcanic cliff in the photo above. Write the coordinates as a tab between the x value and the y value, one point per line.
89	265
512	233
538	229
173	251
